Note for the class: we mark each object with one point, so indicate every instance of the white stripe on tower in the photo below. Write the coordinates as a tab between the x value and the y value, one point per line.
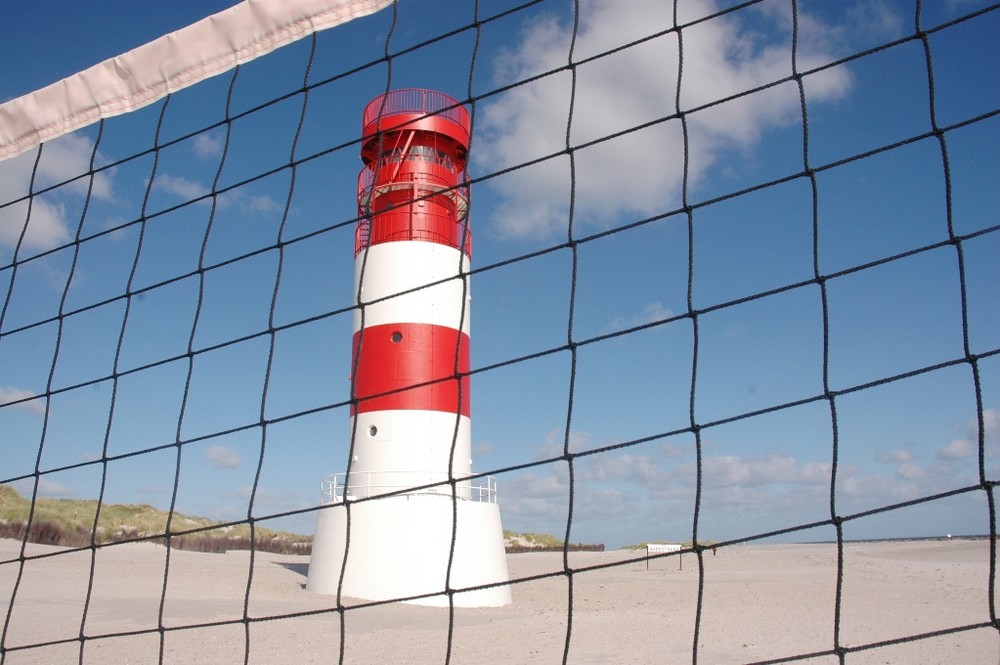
408	395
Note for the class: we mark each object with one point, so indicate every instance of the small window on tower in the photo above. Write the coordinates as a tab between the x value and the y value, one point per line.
372	430
396	337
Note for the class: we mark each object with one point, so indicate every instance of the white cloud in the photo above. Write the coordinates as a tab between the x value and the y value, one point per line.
638	173
533	484
222	457
991	423
555	443
967	446
47	227
651	313
642	469
911	471
896	456
866	490
188	190
873	19
179	186
863	22
535	500
34	404
68	157
62	159
247	204
728	470
958	449
207	145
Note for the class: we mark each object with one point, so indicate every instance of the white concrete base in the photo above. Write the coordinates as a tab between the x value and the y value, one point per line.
400	546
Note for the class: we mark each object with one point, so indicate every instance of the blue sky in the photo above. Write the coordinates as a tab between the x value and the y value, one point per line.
897	441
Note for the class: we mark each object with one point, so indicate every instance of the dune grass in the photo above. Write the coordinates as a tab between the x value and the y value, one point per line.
71	523
542	542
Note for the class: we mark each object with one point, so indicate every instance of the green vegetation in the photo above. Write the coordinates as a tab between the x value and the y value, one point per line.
541	542
532	539
70	523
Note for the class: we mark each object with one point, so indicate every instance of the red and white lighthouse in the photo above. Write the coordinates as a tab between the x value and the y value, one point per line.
408	489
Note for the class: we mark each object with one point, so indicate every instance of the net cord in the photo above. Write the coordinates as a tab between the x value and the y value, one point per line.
686	215
140	77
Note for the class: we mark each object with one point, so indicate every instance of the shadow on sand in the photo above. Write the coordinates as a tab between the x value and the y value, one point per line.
300	568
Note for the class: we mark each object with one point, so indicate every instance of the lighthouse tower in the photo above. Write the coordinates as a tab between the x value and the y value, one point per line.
407	515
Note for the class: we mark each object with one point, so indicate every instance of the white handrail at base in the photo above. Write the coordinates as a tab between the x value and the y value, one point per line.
334	487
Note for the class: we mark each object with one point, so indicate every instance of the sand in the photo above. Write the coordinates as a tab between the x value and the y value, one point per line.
761	602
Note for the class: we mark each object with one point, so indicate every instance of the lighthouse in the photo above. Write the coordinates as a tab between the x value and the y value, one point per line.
409	519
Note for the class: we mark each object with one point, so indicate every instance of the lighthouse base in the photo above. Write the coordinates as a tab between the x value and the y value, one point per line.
400	547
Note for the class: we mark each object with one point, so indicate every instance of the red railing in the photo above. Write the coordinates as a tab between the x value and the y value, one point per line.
423	184
416	100
452	238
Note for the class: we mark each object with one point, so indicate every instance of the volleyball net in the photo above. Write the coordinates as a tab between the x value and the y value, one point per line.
734	275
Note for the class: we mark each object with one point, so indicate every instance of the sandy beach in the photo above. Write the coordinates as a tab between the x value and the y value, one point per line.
761	603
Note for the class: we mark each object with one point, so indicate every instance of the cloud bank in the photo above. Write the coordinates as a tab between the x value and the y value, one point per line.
618	492
638	173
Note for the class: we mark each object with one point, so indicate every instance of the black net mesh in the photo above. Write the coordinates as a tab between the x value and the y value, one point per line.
720	241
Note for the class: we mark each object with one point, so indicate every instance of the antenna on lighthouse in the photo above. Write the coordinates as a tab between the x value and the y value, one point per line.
408	487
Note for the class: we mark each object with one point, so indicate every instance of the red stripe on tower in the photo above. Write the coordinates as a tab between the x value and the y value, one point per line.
412	366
